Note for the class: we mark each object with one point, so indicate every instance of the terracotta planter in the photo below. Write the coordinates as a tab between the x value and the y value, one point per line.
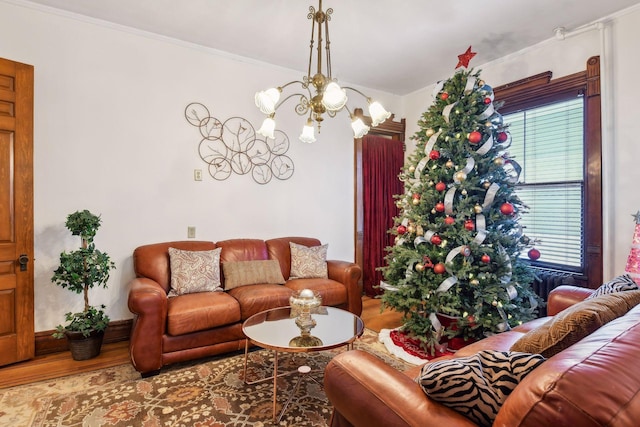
83	348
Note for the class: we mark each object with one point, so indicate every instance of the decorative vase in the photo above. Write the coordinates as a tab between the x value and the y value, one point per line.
303	304
83	348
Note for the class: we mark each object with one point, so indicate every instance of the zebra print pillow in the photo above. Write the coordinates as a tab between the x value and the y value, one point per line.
619	284
477	385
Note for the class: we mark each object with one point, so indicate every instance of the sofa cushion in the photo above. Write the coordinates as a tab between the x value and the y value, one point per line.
256	298
242	273
619	284
477	385
308	262
198	312
194	271
576	322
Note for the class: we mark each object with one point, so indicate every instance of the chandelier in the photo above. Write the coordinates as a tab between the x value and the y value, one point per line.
324	95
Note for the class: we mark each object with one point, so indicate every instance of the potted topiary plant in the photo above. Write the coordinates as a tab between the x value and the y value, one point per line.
79	271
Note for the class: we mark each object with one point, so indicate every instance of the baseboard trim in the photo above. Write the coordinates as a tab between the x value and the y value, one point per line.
119	330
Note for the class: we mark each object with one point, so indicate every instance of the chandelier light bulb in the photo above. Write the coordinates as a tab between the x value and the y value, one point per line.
267	128
359	128
334	97
307	134
266	100
378	113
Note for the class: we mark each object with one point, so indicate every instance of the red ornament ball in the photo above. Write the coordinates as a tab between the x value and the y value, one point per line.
534	254
444	96
434	155
506	209
436	240
416	196
441	186
475	137
469	225
439	268
401	229
487	101
485	258
449	220
440	207
502	136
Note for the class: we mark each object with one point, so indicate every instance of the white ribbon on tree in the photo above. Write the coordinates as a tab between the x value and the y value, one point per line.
507	277
446	112
490	196
468	168
448	200
484	148
435	322
481	227
514	177
437	88
488	112
452	254
447	284
471	83
427	149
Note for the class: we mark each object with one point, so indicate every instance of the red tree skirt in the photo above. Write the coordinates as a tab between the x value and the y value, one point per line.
401	345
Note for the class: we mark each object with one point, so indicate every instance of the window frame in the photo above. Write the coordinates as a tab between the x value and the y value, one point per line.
541	90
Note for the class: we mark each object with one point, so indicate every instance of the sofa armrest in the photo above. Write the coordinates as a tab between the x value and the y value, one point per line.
367	392
565	296
148	302
348	274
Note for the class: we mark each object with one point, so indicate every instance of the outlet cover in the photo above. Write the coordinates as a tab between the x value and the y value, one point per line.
191	232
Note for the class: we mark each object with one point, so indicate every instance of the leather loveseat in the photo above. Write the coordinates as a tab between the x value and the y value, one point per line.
167	330
593	382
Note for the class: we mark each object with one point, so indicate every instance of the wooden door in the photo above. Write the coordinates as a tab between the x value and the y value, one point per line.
17	338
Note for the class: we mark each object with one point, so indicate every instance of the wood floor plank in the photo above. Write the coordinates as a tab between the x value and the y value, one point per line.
58	365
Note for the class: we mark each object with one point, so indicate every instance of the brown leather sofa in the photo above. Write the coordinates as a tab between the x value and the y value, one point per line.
169	330
595	382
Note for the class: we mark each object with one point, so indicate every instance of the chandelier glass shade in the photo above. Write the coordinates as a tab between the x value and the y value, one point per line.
323	93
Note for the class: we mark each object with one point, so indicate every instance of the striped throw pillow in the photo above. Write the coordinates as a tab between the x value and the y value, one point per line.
619	284
477	385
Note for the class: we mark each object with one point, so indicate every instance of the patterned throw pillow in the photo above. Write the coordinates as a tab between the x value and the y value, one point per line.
194	271
477	385
242	273
619	284
307	263
576	322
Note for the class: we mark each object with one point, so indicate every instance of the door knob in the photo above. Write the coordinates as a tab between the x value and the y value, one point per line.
23	260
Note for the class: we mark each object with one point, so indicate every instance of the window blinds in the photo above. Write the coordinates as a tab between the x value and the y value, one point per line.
548	143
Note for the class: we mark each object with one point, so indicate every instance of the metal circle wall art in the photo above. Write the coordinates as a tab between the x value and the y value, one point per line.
233	146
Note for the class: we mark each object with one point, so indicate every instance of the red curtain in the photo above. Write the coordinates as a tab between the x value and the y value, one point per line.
382	159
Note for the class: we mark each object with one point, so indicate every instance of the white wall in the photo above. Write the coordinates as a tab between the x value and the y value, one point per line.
110	136
616	43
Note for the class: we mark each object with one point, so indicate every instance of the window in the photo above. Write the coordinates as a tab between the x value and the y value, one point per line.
555	126
548	143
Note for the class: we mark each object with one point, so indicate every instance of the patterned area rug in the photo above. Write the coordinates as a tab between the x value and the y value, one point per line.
209	393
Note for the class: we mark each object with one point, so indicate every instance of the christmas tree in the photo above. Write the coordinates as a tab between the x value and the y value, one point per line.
457	237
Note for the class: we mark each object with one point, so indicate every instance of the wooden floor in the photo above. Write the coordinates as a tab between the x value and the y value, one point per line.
61	364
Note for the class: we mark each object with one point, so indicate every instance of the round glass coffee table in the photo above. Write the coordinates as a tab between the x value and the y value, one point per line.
276	330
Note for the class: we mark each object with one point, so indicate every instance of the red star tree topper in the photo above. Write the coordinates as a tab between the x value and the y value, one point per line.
463	59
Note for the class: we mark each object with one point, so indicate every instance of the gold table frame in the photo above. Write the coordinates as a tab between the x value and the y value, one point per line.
273	331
